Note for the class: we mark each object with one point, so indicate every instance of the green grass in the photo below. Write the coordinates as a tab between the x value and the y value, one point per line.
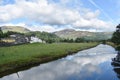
117	47
16	56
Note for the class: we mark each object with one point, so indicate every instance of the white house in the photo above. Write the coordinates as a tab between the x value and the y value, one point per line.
36	39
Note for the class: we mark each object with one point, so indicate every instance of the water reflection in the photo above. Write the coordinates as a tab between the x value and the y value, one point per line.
116	64
91	64
117	70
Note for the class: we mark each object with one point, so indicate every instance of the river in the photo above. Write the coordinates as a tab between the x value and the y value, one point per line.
90	64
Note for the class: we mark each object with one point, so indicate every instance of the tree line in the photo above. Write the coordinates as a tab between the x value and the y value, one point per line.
116	36
7	34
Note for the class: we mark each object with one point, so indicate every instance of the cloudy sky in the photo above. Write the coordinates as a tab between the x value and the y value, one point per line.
54	15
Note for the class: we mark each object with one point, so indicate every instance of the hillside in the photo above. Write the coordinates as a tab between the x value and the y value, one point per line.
48	37
72	34
67	33
15	29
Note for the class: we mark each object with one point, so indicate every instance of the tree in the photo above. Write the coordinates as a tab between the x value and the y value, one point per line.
71	40
79	40
116	36
1	33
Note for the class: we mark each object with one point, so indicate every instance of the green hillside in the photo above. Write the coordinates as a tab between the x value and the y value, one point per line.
72	34
15	29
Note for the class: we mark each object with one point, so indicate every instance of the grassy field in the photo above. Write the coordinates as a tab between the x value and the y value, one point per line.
18	56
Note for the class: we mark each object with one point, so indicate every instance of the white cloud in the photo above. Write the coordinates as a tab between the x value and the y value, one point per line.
48	13
93	24
91	15
10	12
11	24
46	28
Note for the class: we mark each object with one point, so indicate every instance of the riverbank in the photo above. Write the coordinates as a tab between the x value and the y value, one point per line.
117	47
15	58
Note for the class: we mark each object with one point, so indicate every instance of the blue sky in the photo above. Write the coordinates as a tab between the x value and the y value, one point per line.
54	15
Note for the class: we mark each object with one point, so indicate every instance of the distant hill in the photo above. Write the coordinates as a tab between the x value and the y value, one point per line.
15	29
72	34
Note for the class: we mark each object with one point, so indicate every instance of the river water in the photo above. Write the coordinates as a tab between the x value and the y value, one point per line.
90	64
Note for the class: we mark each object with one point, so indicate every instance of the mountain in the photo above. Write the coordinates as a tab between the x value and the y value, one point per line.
72	34
15	29
67	33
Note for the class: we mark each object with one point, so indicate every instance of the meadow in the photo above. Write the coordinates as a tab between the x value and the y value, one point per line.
27	54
